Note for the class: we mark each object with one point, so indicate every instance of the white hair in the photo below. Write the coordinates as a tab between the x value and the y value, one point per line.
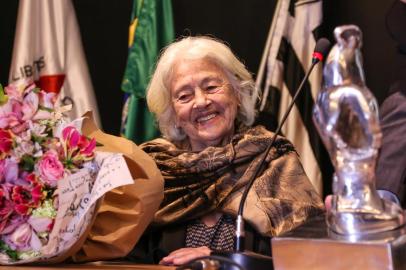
158	92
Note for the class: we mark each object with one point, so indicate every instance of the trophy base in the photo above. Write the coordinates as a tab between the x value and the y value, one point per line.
313	246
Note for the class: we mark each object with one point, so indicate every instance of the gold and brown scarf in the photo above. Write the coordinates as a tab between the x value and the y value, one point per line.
197	183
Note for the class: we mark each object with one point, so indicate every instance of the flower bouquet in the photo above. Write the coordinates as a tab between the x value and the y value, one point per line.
51	177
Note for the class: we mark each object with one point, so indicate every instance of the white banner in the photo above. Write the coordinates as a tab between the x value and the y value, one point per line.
48	49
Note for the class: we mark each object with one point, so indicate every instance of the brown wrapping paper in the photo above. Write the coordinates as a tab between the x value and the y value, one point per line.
125	212
122	214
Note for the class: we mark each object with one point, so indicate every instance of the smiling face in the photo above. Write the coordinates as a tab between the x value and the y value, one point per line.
204	101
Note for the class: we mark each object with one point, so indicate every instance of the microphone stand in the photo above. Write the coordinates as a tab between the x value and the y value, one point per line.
248	259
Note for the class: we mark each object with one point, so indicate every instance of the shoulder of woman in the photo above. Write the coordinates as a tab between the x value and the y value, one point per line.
262	131
157	145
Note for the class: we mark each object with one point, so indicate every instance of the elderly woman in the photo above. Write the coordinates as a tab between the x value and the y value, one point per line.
201	94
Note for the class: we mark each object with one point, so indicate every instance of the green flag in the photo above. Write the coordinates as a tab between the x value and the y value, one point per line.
151	29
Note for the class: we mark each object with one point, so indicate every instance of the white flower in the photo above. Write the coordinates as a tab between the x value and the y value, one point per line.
38	129
57	130
24	148
37	150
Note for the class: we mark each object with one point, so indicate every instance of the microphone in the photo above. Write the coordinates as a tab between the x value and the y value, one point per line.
252	260
320	51
201	264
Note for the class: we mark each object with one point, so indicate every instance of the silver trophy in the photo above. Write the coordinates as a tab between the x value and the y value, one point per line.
346	116
364	231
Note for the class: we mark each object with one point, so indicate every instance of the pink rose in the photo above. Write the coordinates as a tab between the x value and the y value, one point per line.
50	168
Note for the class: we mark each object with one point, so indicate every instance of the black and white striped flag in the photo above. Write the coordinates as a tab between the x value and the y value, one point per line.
286	58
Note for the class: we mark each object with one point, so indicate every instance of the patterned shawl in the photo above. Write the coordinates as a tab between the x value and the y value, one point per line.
197	183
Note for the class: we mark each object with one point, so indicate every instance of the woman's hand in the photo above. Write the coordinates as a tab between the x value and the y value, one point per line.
327	202
184	255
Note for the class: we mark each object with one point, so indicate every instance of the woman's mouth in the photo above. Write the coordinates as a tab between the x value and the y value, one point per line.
205	118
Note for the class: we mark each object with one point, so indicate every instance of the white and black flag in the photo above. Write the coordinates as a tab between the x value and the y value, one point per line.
287	56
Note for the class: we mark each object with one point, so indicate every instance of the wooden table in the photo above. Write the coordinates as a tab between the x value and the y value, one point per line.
91	266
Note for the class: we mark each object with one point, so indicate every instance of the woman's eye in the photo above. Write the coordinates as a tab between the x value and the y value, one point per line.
212	88
184	97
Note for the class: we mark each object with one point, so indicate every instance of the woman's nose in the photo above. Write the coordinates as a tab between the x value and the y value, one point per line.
201	99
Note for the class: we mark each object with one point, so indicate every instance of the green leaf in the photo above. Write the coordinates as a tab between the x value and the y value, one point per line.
10	252
97	143
45	108
38	139
3	96
27	163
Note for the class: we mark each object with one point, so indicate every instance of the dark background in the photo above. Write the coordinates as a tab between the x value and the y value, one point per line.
243	24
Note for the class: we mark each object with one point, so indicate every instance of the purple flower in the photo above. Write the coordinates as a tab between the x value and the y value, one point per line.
9	170
40	224
23	238
12	222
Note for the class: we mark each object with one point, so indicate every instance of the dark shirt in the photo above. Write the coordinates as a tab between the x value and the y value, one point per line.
391	165
217	237
157	243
